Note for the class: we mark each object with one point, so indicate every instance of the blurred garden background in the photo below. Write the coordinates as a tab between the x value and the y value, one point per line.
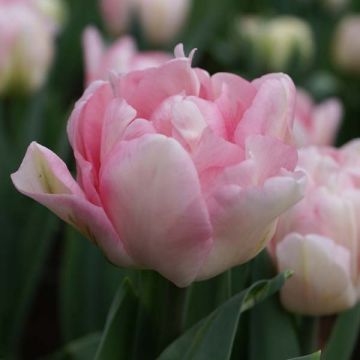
55	286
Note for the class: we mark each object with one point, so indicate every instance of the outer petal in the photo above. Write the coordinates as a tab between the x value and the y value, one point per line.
85	134
244	220
272	110
45	178
322	283
151	192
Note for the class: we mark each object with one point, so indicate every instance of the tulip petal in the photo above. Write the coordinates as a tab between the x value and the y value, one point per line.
145	90
117	118
272	110
321	284
244	220
151	192
233	95
45	178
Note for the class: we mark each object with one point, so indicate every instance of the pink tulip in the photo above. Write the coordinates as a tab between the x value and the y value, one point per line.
319	237
24	63
177	171
346	46
316	124
117	14
160	20
121	57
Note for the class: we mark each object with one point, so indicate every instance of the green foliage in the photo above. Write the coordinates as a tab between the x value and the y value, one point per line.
213	336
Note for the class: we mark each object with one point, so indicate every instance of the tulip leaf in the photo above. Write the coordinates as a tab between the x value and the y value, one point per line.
117	338
273	335
315	356
213	337
88	282
80	349
343	336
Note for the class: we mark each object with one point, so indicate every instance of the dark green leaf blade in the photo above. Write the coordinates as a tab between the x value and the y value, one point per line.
273	334
80	349
315	356
213	336
116	341
88	282
344	334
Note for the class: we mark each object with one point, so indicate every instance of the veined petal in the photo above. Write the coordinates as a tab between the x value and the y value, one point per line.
151	192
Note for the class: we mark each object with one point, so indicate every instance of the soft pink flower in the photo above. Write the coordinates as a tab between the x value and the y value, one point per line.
117	14
26	48
319	238
160	20
121	57
316	124
177	171
346	46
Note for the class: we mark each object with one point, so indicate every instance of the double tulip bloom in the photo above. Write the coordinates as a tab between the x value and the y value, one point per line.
319	237
177	171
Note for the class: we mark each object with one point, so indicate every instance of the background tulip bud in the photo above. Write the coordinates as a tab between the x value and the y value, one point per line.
162	19
319	237
53	10
26	49
316	124
347	44
121	57
117	14
279	43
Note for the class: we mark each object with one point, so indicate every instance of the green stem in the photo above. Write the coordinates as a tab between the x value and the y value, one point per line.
308	334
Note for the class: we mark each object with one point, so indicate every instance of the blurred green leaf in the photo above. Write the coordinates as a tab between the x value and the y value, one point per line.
315	356
213	337
116	342
80	349
88	282
343	336
273	333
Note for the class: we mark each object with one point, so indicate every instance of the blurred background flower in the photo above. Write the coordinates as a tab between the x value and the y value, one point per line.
159	20
319	238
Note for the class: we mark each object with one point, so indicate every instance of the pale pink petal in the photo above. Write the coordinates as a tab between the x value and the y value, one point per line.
282	156
321	284
244	220
233	95
150	190
93	49
326	122
45	178
138	128
145	90
215	152
117	118
272	110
